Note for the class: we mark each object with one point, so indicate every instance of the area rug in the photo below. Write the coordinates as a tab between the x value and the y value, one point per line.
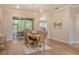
29	50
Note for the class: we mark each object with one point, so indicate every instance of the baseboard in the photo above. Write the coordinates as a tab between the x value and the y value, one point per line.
58	40
71	44
75	45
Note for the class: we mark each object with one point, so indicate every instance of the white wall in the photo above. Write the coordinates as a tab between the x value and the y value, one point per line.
77	28
63	33
72	27
1	18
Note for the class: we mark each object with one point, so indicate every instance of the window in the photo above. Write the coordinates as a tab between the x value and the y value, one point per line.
43	23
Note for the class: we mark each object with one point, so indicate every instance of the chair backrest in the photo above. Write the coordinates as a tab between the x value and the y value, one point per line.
26	37
42	35
25	34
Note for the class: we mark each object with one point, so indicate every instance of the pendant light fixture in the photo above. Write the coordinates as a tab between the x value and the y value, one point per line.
17	6
32	14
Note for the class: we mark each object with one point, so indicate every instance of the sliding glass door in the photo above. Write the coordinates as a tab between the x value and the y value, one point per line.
19	25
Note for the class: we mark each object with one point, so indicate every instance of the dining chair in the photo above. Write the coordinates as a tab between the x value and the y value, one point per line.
2	41
42	35
27	40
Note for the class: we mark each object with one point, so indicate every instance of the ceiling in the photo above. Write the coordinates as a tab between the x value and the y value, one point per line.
35	7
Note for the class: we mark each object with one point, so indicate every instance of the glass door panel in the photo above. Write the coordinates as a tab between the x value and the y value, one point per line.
20	28
14	28
28	24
